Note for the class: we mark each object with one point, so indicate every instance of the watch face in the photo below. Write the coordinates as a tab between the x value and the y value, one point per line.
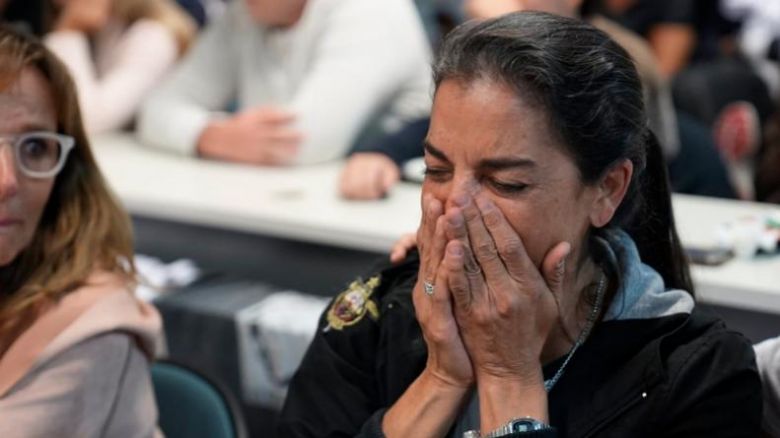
525	426
522	426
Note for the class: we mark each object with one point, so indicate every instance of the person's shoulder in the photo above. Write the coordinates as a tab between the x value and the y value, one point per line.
104	351
75	392
685	344
359	306
706	347
106	303
362	317
707	330
711	382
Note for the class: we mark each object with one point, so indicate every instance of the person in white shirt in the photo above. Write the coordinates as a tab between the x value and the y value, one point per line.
308	78
117	52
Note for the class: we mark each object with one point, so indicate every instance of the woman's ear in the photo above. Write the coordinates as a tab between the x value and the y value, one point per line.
611	190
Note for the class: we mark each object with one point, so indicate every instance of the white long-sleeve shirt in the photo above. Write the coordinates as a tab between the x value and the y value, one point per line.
345	65
126	64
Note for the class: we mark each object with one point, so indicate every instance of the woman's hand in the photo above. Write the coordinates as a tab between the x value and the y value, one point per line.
504	306
368	175
430	405
260	135
447	357
401	248
88	16
484	9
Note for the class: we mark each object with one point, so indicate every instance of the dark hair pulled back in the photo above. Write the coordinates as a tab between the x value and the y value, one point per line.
592	94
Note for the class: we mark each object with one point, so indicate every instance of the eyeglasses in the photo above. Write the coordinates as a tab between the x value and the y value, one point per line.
40	154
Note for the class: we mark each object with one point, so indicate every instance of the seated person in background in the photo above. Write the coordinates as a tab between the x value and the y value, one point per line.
767	177
543	302
768	359
370	173
117	51
696	47
670	27
75	344
308	78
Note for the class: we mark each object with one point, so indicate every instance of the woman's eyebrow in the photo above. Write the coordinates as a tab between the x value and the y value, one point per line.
431	149
35	125
504	163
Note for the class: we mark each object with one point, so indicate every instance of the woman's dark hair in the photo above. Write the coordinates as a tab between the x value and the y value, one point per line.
591	91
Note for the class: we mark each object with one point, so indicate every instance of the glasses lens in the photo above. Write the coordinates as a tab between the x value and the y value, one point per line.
39	153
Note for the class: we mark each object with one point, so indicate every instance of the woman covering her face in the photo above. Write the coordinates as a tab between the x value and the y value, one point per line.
550	295
75	344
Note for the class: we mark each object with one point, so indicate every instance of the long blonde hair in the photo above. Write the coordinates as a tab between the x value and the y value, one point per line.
82	228
166	12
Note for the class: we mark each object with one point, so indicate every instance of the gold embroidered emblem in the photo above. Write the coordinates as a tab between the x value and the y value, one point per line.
353	304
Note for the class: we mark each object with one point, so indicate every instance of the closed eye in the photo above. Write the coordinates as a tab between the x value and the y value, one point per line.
437	174
508	188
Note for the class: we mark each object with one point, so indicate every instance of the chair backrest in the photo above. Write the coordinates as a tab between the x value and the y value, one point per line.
192	406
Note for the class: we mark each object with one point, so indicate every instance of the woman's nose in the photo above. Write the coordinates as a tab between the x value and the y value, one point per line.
461	190
9	180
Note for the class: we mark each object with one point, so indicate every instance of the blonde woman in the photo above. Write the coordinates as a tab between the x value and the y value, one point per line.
75	344
117	52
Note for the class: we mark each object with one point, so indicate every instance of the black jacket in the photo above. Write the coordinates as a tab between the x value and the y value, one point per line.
676	376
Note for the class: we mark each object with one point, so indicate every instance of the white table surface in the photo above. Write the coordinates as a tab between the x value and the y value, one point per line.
752	284
302	204
295	203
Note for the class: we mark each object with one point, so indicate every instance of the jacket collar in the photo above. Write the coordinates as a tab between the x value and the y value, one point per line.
641	293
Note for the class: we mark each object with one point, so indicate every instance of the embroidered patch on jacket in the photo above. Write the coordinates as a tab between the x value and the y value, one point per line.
353	304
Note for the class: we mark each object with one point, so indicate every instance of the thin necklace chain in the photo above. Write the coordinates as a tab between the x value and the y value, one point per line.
594	313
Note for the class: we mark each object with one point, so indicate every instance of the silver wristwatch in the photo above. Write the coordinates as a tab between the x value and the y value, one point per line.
524	424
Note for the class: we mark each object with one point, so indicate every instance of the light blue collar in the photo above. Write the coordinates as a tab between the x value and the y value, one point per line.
641	293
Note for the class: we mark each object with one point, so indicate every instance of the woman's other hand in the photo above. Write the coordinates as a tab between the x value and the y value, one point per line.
505	307
88	16
262	135
401	248
368	175
484	9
